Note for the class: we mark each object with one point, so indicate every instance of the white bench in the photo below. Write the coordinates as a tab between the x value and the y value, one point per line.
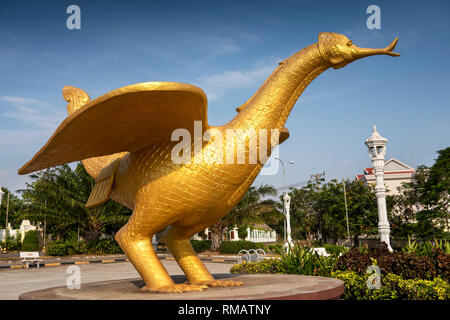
321	251
28	257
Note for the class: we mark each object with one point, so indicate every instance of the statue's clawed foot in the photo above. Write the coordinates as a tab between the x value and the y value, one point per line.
219	283
176	288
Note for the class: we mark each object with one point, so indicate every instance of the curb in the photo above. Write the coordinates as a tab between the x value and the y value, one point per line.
56	264
217	259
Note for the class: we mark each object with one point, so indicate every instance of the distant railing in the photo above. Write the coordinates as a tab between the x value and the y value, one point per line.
252	255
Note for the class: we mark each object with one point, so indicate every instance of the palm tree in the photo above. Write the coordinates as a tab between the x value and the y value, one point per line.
253	208
59	196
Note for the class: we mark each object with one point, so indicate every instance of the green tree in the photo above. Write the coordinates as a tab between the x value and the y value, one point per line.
361	206
319	208
31	241
252	208
58	196
306	221
422	206
438	183
15	205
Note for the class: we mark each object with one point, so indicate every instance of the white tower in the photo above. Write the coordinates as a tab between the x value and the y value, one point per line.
377	150
287	202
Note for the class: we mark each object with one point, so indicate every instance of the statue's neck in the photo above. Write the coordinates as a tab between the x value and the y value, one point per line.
272	103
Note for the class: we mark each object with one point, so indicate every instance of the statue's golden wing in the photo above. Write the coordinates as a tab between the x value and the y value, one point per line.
124	119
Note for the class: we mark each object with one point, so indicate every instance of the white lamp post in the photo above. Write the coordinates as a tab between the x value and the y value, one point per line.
1	198
377	150
286	205
1	195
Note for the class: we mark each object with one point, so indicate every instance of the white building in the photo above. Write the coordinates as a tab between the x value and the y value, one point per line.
395	173
257	233
25	226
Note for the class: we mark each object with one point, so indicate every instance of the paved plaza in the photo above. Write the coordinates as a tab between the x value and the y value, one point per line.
14	282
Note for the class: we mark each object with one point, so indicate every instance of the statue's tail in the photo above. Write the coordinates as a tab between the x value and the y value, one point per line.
77	98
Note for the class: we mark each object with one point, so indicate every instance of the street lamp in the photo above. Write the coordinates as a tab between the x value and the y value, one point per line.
1	197
7	209
376	145
286	202
346	214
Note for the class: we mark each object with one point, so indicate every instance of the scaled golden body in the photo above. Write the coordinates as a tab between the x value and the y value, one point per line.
188	197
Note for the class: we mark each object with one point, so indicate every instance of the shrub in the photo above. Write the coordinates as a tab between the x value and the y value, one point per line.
201	245
303	260
263	266
276	247
335	249
31	241
392	287
103	246
317	243
12	244
242	231
441	262
234	247
418	289
65	248
353	260
70	247
408	266
355	287
299	260
426	248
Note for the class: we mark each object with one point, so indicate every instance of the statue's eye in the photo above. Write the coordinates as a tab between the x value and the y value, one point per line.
349	43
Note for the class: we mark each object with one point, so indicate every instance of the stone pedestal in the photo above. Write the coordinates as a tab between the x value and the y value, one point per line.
255	287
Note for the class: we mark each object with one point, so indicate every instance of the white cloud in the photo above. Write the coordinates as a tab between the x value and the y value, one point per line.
12	180
17	146
22	143
212	45
217	85
31	111
19	100
328	94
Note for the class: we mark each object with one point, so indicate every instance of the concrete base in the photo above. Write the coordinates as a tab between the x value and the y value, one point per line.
255	287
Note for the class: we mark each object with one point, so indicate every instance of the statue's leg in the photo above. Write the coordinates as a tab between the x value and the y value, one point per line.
177	240
135	238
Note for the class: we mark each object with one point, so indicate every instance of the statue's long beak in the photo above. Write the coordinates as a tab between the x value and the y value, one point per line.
365	52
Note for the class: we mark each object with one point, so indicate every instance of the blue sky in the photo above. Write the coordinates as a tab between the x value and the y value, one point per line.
228	48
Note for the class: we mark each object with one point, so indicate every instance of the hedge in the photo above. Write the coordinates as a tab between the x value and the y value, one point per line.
201	245
31	241
276	247
12	244
299	260
406	265
233	247
263	266
70	247
392	287
335	249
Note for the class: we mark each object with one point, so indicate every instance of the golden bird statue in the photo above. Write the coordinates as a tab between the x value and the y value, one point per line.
124	140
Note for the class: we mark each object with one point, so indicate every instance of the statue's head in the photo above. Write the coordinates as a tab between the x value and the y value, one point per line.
339	50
